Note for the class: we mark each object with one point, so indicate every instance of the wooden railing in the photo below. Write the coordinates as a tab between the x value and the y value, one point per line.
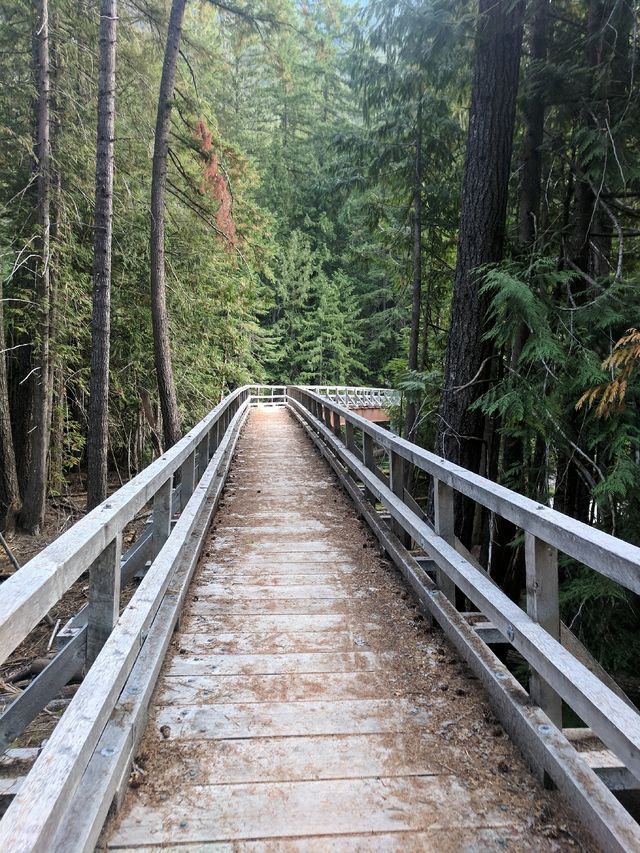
355	397
556	673
84	765
108	642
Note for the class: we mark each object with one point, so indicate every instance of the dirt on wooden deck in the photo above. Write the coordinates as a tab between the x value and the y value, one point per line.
305	703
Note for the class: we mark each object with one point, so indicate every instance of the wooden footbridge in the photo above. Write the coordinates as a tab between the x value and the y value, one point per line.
276	683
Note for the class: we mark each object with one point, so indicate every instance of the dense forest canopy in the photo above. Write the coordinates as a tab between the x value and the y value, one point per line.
440	196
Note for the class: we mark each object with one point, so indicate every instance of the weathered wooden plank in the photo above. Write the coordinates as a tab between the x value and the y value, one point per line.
283	530
238	812
284	759
470	838
444	524
397	485
305	592
66	664
104	597
237	576
10	785
293	606
269	719
276	546
187	479
308	563
272	642
277	623
610	770
543	605
273	664
289	687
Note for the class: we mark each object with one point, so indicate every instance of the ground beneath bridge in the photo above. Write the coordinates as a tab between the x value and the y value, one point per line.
306	706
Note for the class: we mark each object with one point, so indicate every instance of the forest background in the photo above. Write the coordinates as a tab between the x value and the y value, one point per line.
440	197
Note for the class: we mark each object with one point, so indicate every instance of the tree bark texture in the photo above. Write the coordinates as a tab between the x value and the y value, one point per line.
98	437
534	112
589	242
9	489
416	295
162	344
507	561
32	514
482	230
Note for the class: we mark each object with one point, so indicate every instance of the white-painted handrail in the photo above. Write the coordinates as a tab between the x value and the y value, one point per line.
613	557
28	595
356	397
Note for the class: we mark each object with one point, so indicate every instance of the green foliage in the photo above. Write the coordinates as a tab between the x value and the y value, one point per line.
604	616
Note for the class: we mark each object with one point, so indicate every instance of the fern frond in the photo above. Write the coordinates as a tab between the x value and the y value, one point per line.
625	358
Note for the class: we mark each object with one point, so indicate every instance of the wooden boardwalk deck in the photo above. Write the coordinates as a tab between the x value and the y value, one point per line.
305	705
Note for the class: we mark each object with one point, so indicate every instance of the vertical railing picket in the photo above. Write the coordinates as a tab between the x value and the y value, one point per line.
336	424
367	458
104	597
397	487
544	607
212	441
444	522
202	451
161	517
187	479
349	439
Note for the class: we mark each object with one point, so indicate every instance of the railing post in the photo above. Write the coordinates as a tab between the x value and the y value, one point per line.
201	455
161	517
336	424
444	520
187	479
104	597
367	458
212	440
327	417
349	441
543	606
397	487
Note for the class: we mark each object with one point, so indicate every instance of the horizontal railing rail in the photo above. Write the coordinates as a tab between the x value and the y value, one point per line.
357	397
608	555
268	395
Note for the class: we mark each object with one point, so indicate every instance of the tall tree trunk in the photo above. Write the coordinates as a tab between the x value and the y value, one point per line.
482	227
589	242
162	345
35	493
98	438
507	563
414	339
534	111
9	489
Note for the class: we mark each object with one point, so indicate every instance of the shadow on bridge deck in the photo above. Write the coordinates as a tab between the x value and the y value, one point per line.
305	704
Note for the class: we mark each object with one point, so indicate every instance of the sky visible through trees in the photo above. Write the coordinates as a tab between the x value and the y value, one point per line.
439	196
